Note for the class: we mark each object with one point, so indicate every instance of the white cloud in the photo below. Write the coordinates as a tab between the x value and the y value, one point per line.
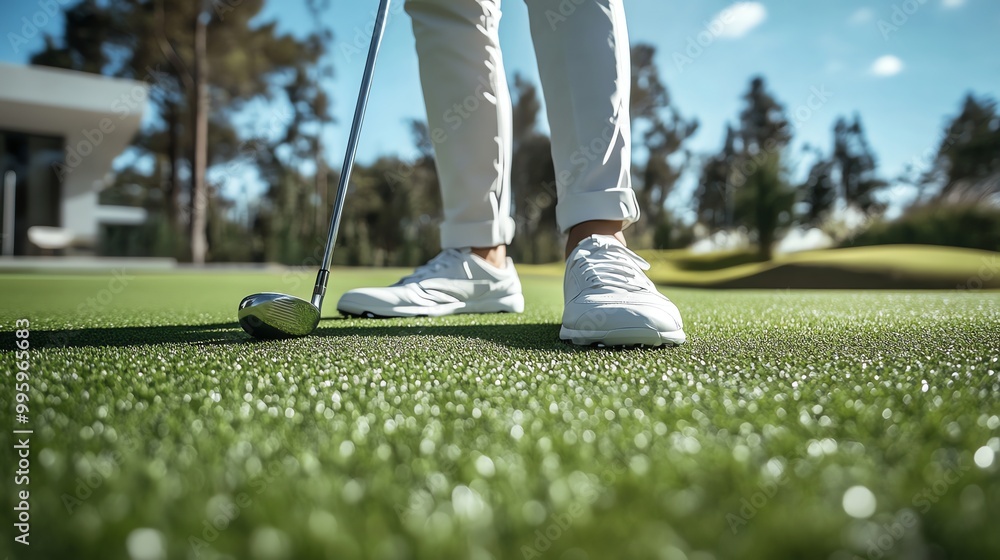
887	65
949	4
739	19
862	16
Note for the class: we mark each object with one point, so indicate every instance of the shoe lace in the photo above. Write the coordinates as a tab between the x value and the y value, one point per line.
613	266
431	268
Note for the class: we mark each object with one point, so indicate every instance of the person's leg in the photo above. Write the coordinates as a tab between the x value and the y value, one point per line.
469	118
583	58
583	230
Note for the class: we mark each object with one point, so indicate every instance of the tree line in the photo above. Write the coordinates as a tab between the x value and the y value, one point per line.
212	67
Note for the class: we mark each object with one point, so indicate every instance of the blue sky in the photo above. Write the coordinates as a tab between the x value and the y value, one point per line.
904	80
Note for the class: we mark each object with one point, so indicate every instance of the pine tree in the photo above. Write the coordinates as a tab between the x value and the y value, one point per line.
856	165
88	27
819	190
533	181
967	166
663	131
763	199
714	196
763	124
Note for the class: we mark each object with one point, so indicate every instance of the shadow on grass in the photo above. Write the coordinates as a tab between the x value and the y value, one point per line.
530	336
202	335
525	336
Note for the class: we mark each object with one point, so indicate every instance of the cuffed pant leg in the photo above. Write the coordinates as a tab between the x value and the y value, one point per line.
583	57
468	116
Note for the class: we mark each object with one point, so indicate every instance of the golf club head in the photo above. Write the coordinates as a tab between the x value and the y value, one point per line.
270	316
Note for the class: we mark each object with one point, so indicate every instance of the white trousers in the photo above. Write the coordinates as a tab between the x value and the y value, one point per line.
583	58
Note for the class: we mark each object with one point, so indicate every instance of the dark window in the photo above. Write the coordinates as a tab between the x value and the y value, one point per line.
38	193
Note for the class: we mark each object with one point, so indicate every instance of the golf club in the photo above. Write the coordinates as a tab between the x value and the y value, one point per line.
271	315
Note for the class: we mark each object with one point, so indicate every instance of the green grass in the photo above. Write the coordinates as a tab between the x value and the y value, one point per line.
921	266
473	436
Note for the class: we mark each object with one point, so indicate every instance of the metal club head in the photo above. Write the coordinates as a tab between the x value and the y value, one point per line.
270	316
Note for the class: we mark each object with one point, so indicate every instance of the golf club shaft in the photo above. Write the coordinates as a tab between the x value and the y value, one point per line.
352	146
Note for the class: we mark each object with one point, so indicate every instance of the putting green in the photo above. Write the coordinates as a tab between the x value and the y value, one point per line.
821	424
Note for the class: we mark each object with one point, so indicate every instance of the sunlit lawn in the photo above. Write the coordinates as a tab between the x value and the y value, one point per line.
794	424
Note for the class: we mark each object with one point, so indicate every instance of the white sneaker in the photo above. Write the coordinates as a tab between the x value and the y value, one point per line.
610	301
455	281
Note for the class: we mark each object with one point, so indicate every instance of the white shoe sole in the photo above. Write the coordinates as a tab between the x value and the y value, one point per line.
632	336
513	303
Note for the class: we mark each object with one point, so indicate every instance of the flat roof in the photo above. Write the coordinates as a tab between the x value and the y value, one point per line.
68	89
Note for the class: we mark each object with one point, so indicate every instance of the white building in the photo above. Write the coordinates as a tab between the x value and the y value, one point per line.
60	131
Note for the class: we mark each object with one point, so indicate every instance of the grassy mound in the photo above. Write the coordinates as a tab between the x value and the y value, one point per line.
880	267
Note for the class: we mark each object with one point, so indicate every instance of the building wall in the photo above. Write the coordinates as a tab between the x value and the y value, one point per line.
97	116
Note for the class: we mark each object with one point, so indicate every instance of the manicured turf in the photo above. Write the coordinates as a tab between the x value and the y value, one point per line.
913	266
161	431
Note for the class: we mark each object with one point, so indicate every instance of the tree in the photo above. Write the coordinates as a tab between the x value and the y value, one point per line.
197	59
819	190
713	196
967	165
763	125
533	181
524	110
663	132
856	165
745	183
424	188
765	201
88	28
